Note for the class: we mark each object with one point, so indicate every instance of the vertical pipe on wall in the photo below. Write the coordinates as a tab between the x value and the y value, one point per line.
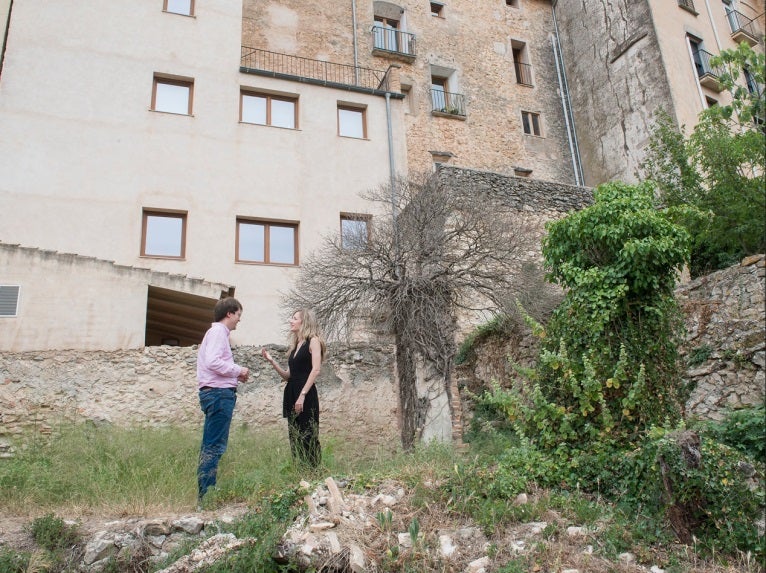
356	54
566	103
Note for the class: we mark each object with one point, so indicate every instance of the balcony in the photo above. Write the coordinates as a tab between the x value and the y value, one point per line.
743	29
447	104
318	72
390	42
523	73
708	76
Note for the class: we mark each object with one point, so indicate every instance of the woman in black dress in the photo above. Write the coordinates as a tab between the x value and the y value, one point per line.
300	404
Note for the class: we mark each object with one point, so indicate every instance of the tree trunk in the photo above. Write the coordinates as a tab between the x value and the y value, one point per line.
408	395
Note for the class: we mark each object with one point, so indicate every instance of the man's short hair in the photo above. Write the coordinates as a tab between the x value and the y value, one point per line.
224	306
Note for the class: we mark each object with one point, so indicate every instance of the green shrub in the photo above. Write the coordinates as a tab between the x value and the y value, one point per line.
12	562
716	499
53	533
744	430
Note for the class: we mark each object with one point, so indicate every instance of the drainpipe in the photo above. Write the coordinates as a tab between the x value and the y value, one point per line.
712	23
391	166
356	47
565	103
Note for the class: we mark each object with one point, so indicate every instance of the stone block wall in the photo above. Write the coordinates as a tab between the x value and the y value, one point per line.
725	316
726	338
156	386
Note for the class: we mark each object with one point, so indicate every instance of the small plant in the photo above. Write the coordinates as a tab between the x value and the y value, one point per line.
743	430
414	531
699	355
12	562
385	519
53	533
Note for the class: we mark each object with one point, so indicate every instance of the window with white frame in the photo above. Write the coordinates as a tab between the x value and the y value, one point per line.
163	234
268	109
172	95
9	300
268	242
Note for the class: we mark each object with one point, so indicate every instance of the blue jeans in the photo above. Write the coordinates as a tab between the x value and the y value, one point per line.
218	406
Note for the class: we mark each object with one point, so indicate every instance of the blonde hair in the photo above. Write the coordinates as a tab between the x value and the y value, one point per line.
309	329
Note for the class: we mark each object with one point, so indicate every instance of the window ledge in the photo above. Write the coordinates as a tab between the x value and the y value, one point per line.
436	113
171	112
356	138
690	10
162	257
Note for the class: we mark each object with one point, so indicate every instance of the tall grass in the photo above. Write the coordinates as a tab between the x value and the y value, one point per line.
85	469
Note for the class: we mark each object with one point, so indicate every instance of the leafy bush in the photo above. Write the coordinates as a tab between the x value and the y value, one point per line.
12	562
719	168
467	349
609	366
53	533
744	430
711	496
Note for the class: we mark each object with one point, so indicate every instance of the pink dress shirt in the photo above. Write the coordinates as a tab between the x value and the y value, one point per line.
215	363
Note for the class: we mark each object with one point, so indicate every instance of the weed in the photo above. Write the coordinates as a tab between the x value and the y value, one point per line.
53	533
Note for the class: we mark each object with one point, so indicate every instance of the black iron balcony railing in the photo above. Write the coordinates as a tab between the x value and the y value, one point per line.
286	66
707	74
447	102
393	40
523	73
742	27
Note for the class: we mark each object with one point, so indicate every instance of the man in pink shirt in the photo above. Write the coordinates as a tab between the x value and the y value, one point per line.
217	378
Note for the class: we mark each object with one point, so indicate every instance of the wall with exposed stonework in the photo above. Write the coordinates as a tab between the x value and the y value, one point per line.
156	386
726	341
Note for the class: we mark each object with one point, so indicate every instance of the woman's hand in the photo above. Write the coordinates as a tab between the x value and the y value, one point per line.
299	404
266	355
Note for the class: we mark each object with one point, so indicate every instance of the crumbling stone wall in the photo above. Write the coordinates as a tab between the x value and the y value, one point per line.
157	386
725	346
726	338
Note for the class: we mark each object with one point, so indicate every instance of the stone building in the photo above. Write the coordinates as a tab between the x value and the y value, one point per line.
627	59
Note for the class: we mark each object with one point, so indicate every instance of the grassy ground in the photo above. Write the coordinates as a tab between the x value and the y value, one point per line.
85	470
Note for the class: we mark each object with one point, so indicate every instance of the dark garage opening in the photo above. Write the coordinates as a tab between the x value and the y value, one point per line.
177	318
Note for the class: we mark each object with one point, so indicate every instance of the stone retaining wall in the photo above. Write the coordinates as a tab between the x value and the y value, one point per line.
156	386
726	338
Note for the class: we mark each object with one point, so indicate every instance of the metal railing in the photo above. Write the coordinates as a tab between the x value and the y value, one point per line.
738	22
702	63
447	102
286	66
523	73
393	40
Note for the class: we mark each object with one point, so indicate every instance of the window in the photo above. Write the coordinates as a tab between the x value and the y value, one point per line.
386	34
172	95
354	231
439	93
268	242
184	7
531	122
687	5
267	109
437	9
352	121
752	85
9	300
710	101
512	3
163	234
521	65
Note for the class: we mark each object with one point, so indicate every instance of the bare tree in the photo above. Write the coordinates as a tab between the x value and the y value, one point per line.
440	250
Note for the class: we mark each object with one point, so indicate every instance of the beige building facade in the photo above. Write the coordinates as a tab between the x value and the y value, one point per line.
131	135
628	59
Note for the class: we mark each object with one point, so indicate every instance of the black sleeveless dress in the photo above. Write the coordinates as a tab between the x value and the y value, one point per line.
303	428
